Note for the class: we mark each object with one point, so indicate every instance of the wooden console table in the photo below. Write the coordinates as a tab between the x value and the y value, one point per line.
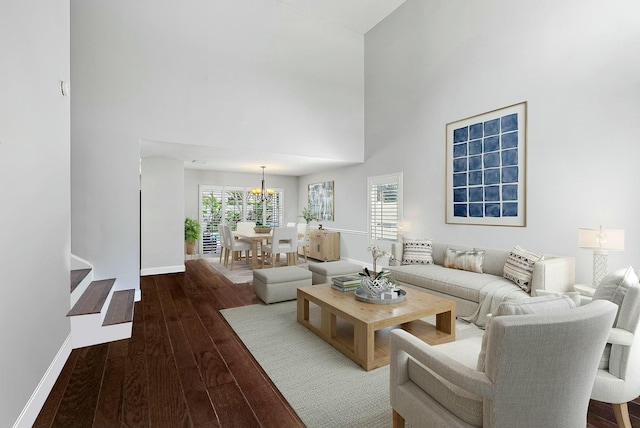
324	245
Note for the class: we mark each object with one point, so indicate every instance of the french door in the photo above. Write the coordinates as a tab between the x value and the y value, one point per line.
229	205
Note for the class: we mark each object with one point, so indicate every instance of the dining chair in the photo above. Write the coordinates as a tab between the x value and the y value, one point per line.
283	240
303	235
235	246
224	246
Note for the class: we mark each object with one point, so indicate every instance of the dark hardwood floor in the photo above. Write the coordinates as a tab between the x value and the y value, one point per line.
185	367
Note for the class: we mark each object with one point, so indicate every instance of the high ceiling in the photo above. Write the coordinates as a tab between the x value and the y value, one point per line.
357	15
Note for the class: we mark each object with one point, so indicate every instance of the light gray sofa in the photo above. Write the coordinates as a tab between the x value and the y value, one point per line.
469	289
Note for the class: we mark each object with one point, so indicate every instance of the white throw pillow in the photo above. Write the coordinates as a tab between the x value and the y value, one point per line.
471	261
519	267
615	285
534	305
417	252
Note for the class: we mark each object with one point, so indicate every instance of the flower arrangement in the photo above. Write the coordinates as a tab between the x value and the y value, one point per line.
307	215
377	253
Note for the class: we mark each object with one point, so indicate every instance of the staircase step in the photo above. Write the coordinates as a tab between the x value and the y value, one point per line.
92	300
77	275
121	308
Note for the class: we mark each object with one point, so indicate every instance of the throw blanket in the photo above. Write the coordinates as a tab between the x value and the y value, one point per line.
491	295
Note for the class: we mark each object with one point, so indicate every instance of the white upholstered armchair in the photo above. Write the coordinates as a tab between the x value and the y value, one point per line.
534	370
618	377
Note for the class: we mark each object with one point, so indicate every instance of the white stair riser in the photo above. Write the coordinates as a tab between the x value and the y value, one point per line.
87	330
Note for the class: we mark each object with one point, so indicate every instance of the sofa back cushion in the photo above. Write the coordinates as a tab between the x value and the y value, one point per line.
494	260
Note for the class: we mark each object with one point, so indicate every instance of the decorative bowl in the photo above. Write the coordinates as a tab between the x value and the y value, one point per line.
262	229
362	296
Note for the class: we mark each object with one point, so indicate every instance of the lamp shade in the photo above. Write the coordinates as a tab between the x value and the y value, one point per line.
601	239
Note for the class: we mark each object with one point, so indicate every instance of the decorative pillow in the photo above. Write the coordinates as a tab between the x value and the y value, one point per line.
417	252
534	305
464	260
519	267
615	285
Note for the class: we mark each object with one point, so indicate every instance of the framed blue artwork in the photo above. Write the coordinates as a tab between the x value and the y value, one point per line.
486	168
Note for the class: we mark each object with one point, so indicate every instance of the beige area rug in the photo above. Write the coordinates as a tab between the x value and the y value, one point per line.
242	272
325	388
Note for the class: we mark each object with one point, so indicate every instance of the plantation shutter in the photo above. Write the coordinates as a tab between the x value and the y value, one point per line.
233	206
210	218
385	209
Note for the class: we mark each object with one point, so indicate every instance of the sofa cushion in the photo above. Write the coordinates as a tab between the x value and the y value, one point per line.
458	401
519	267
471	261
534	305
417	252
494	260
458	283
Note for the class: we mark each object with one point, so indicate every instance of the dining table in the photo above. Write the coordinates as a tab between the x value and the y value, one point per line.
255	239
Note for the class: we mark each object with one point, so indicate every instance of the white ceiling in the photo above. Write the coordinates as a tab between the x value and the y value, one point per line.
357	15
218	159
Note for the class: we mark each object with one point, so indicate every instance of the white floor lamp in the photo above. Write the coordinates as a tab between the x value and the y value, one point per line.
601	241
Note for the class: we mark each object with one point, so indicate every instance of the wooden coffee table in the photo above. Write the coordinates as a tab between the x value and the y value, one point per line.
360	330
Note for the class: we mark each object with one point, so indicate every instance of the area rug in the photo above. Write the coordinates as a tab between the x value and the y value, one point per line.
325	388
242	272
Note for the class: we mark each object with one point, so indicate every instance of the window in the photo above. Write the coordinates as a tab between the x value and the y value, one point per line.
385	209
229	205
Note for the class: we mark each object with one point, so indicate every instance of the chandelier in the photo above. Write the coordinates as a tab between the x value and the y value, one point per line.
262	193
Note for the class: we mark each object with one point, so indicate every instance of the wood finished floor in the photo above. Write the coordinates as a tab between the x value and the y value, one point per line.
185	367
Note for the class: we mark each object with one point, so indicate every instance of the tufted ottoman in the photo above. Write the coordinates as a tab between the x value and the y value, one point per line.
323	272
279	284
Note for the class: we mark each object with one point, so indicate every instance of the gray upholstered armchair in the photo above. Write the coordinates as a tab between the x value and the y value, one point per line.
618	377
533	370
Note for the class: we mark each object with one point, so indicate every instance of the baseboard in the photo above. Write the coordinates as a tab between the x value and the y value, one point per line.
162	270
34	405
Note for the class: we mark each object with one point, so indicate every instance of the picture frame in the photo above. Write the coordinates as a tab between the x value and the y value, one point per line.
320	196
486	168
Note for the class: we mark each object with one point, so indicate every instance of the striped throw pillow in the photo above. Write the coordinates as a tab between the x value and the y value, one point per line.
519	267
417	252
471	261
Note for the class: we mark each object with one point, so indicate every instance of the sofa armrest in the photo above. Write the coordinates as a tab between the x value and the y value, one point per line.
555	274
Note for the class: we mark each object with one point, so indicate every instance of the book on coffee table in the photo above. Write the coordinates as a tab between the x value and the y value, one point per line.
347	288
346	280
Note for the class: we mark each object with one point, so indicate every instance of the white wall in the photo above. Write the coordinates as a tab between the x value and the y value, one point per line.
577	65
35	214
249	75
162	211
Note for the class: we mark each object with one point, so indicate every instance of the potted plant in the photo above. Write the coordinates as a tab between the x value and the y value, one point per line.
191	234
261	228
307	215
